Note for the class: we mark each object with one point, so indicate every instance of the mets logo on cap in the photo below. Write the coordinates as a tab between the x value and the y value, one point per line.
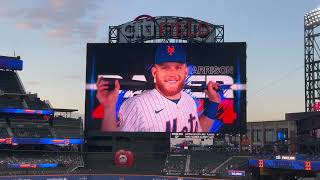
170	50
167	52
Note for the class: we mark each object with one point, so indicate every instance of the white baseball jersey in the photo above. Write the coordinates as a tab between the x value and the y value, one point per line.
152	112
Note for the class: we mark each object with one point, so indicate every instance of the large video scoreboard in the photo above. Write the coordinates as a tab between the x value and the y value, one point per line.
224	63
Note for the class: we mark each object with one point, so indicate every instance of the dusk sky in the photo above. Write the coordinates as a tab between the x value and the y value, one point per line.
51	38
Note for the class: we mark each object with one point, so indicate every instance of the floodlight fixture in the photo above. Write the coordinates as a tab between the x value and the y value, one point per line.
312	18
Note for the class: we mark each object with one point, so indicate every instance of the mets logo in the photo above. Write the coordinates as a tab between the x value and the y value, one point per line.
123	159
170	50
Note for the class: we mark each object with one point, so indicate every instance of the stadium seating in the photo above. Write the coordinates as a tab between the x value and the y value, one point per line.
11	102
3	132
204	162
233	163
175	164
40	128
3	128
67	127
34	102
67	162
15	158
10	83
30	128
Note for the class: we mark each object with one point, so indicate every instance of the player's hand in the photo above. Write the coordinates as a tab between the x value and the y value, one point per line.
108	98
213	93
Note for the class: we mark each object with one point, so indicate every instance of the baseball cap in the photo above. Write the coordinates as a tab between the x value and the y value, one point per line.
167	52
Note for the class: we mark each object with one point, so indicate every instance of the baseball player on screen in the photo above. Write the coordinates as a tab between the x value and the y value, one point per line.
166	108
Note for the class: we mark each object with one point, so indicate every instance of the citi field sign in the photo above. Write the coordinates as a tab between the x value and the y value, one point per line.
146	27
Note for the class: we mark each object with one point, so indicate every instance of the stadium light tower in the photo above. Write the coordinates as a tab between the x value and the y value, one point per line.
312	60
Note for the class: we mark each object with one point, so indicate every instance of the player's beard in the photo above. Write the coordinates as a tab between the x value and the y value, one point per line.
169	91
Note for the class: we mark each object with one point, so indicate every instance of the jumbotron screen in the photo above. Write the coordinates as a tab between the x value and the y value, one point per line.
166	87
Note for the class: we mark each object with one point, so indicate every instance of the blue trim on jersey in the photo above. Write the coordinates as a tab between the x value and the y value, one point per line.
175	100
120	101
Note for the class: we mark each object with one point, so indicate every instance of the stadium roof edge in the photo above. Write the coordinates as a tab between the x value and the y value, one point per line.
64	110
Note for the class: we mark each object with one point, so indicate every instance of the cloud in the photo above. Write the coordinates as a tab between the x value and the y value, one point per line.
28	26
56	33
65	19
57	4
